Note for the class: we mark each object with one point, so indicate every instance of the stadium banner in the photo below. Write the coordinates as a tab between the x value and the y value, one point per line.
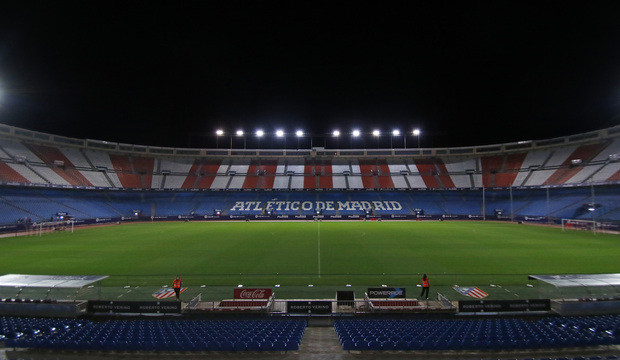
536	219
309	307
348	205
252	294
504	305
386	292
134	307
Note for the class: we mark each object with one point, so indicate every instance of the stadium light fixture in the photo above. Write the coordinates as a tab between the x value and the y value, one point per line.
241	133
355	134
416	133
259	134
394	133
376	132
218	133
279	133
300	134
336	134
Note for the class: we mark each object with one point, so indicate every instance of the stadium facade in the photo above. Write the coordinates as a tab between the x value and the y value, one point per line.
45	177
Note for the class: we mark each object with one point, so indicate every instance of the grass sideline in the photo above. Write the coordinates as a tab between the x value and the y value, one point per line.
328	254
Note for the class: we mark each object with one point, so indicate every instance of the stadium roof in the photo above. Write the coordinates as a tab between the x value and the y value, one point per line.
585	280
49	281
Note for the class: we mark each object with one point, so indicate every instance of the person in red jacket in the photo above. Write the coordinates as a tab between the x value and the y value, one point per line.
425	286
176	285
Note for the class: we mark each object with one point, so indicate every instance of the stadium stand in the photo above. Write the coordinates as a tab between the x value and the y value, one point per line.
520	179
101	161
463	172
152	335
478	334
124	170
572	165
10	175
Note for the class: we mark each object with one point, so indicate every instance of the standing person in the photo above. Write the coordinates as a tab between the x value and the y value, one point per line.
425	286
176	285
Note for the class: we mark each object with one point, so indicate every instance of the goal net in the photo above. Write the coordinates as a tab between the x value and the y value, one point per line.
574	224
39	229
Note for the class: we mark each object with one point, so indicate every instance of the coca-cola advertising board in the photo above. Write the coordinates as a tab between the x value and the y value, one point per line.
252	294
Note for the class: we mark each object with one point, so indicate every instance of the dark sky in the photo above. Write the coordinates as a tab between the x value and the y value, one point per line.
170	73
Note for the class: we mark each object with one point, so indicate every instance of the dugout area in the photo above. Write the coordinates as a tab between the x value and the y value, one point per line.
581	294
47	295
75	295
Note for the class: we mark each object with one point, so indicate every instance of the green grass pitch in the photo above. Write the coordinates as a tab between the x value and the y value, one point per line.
318	253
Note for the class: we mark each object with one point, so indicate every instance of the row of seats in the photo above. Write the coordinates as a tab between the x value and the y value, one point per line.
35	163
40	204
153	335
478	334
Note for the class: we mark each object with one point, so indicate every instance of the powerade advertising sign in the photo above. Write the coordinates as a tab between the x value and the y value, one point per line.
386	292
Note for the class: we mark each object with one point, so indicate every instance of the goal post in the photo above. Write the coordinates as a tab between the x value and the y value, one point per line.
576	224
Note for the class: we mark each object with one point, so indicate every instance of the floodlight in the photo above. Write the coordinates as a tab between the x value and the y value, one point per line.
239	132
336	133
376	132
260	133
396	132
219	132
299	133
416	132
279	133
356	133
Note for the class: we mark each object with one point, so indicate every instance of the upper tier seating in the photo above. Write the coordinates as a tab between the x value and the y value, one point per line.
46	165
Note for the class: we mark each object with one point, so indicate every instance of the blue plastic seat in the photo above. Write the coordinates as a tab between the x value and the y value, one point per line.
388	345
279	346
374	345
254	346
239	346
227	346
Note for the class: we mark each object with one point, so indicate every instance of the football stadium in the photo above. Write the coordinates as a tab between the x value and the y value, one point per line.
281	249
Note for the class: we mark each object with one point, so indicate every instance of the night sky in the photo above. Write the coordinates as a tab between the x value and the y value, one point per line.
169	73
